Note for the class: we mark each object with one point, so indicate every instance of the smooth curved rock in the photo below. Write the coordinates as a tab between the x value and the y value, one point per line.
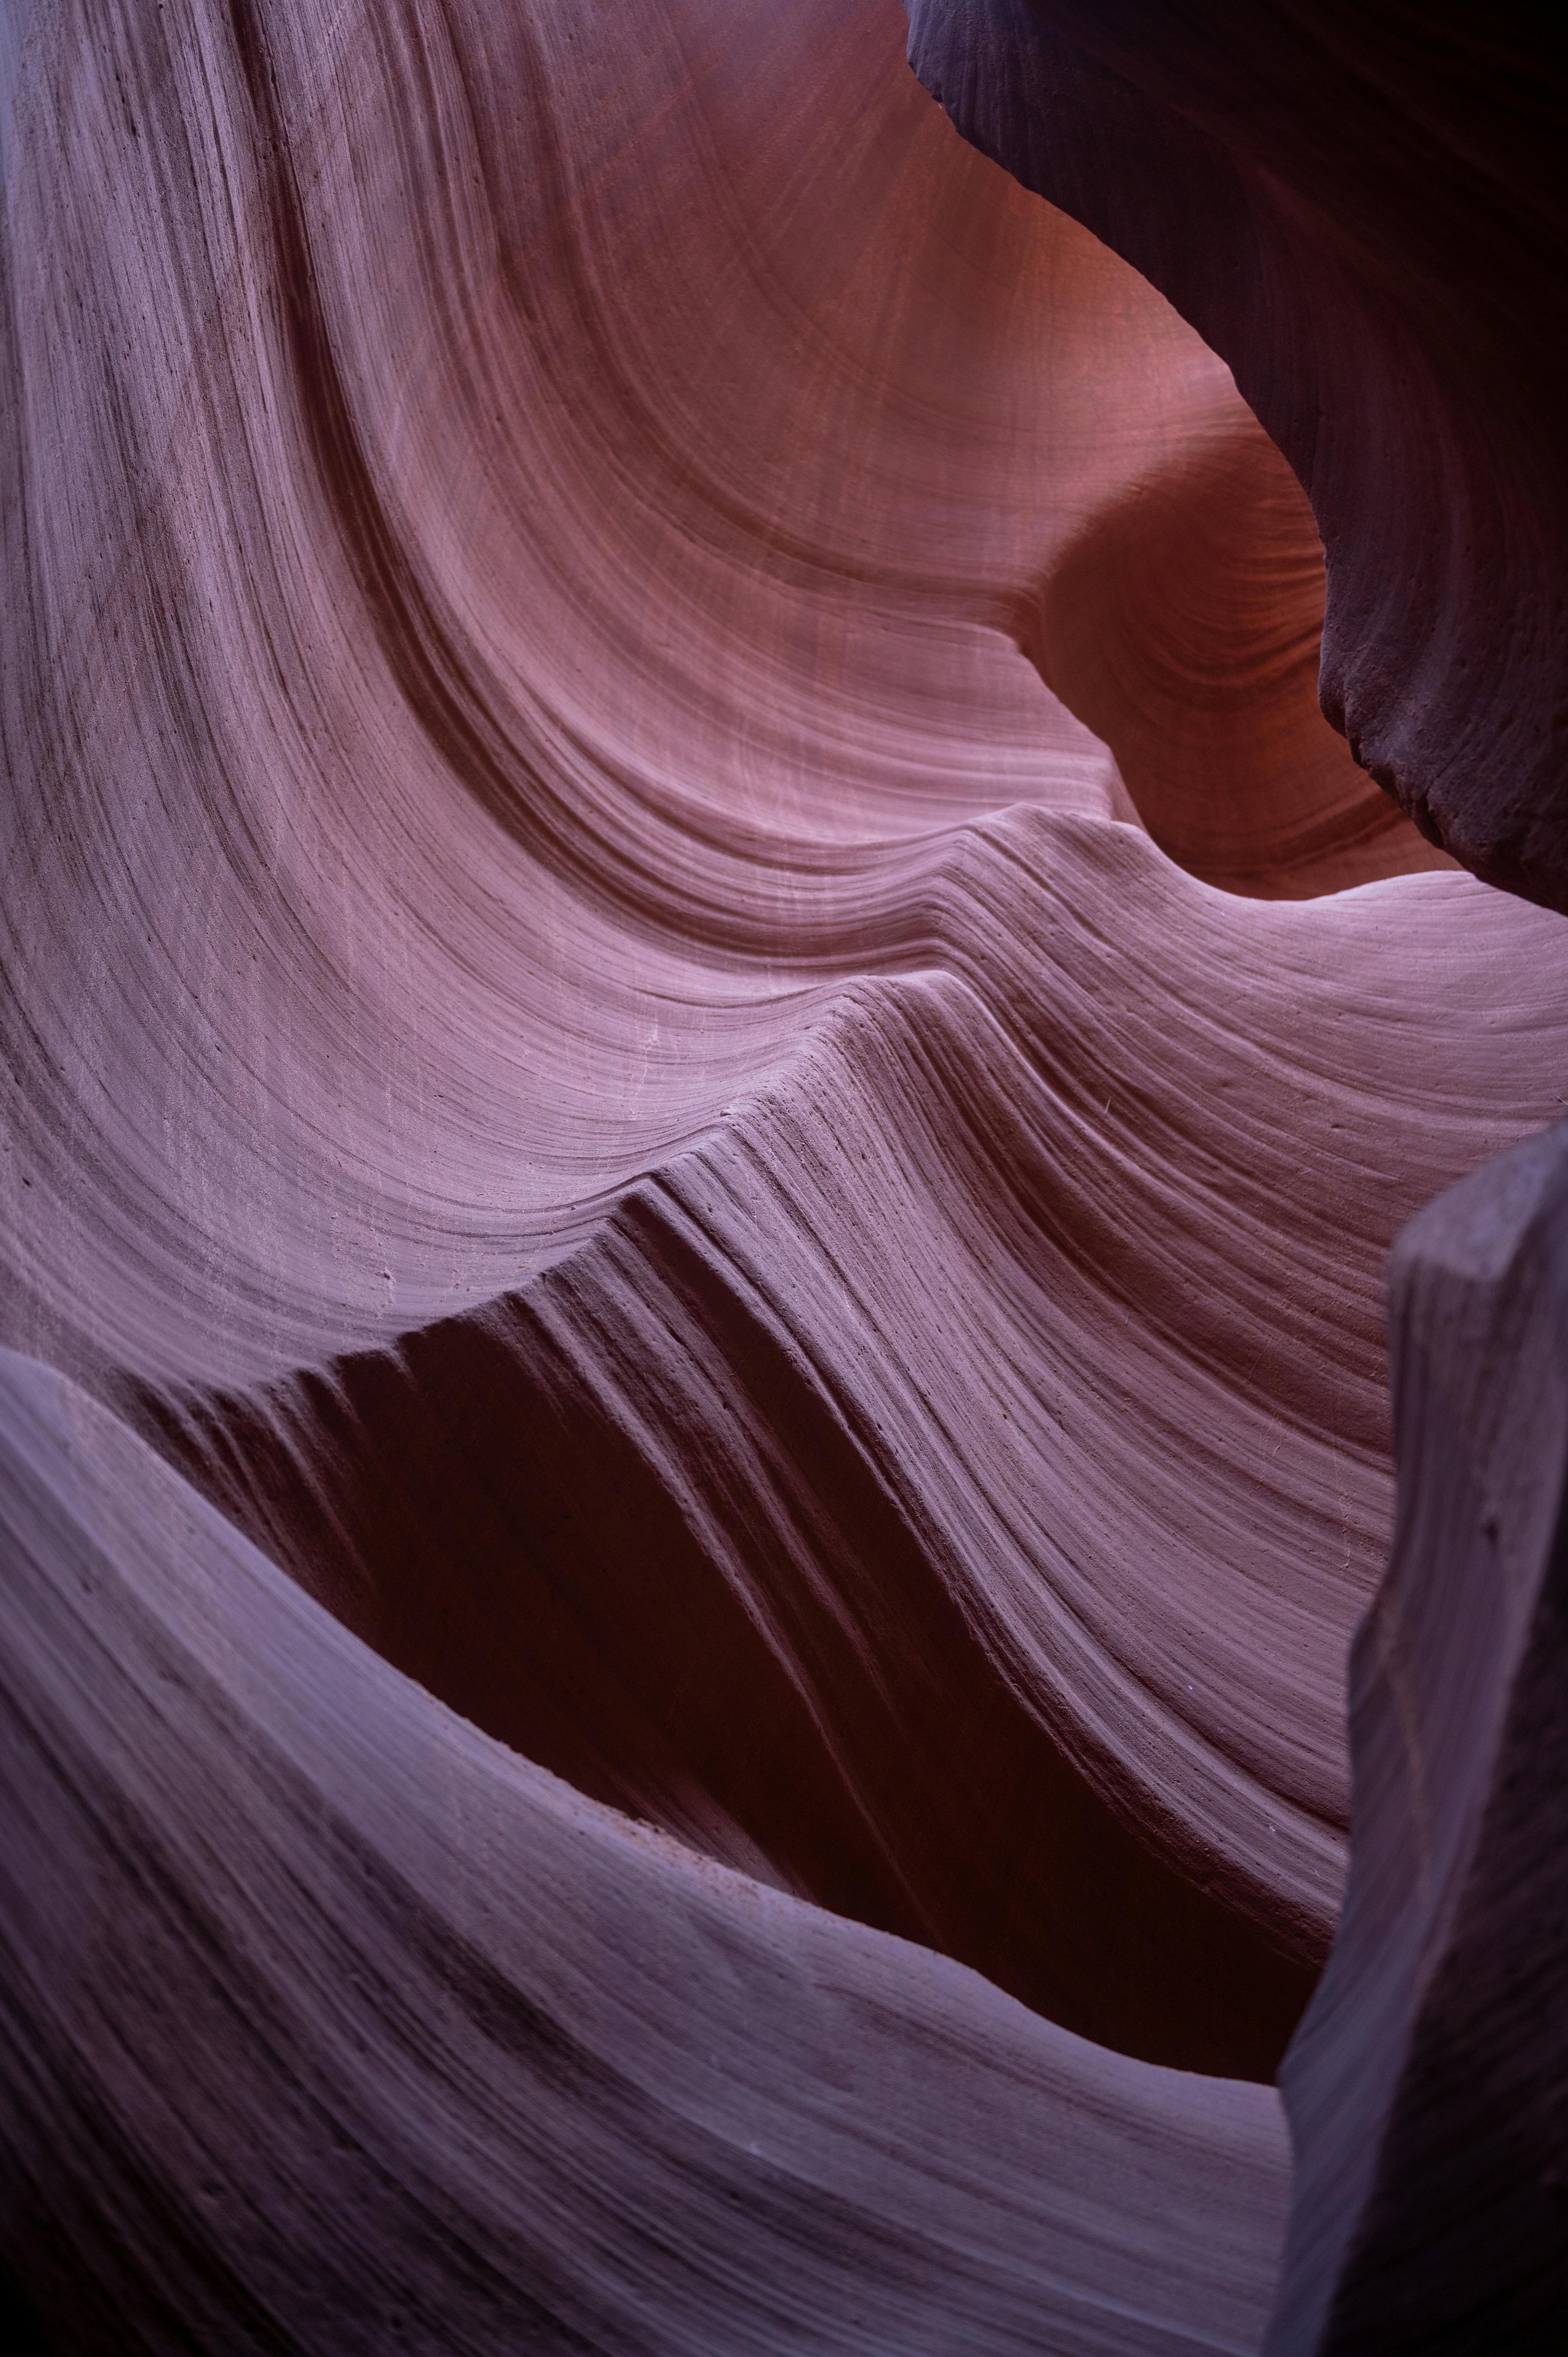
1362	211
1183	626
624	705
994	1405
329	2024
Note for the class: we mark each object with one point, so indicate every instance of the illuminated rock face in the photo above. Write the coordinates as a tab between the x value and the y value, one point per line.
674	1040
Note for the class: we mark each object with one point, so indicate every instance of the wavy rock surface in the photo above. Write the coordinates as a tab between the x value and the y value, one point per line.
629	679
356	2032
1427	2087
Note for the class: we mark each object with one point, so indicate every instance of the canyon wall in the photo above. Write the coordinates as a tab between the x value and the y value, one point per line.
709	1066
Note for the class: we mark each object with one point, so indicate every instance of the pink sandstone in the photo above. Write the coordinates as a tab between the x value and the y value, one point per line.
709	1066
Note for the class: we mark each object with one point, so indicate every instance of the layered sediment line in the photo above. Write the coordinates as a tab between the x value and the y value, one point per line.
1363	212
695	1170
918	1438
329	2024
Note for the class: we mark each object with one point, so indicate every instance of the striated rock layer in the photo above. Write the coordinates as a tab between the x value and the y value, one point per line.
330	2024
1362	209
1428	2088
698	1154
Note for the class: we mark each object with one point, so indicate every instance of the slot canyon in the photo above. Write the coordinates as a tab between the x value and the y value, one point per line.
784	1266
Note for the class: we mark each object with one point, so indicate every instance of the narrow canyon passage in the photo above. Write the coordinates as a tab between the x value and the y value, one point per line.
710	1066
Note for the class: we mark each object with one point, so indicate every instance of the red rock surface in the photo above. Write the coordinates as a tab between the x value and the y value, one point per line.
1361	207
682	1034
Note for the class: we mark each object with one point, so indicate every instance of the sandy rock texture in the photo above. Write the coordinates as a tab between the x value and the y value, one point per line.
708	1066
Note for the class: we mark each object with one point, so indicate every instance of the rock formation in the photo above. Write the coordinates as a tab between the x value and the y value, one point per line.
1364	216
699	1151
1362	209
1428	2086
